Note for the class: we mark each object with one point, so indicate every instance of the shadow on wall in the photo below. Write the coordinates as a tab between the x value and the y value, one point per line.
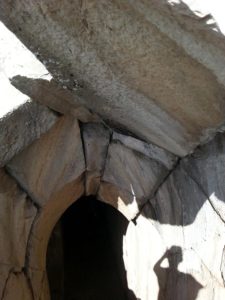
172	283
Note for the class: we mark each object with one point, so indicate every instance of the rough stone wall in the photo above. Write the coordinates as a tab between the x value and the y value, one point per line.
129	77
186	212
176	215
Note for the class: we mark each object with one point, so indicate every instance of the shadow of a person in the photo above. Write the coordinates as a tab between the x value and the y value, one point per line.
175	285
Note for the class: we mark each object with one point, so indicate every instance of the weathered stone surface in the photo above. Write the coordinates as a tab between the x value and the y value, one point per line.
51	162
17	287
202	229
122	200
39	284
206	167
163	96
197	26
16	216
96	142
200	175
180	226
178	200
152	151
53	96
5	270
133	172
21	127
181	262
198	11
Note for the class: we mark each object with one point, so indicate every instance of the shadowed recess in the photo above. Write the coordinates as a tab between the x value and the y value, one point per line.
85	259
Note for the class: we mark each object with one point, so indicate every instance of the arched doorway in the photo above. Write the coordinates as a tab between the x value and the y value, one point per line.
85	253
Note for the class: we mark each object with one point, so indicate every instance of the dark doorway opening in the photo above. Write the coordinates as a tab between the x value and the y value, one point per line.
85	256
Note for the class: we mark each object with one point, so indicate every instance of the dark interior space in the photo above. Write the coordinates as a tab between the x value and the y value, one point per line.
85	257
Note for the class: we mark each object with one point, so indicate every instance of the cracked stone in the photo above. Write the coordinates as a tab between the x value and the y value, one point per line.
17	287
132	172
206	167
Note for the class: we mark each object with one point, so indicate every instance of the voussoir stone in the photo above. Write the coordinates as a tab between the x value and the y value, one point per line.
96	142
16	217
133	172
207	167
152	151
51	162
47	218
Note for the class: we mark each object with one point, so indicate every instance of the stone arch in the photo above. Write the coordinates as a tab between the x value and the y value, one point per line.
63	165
139	179
41	232
163	82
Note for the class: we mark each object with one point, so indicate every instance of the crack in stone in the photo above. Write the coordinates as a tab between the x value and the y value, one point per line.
212	276
12	271
83	146
205	194
165	179
155	191
27	251
107	152
22	188
105	159
6	282
222	266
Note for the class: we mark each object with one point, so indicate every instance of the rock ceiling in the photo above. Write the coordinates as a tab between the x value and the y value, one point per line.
150	68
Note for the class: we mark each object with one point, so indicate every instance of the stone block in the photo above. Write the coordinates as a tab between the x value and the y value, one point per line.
96	142
51	162
122	200
16	217
133	172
